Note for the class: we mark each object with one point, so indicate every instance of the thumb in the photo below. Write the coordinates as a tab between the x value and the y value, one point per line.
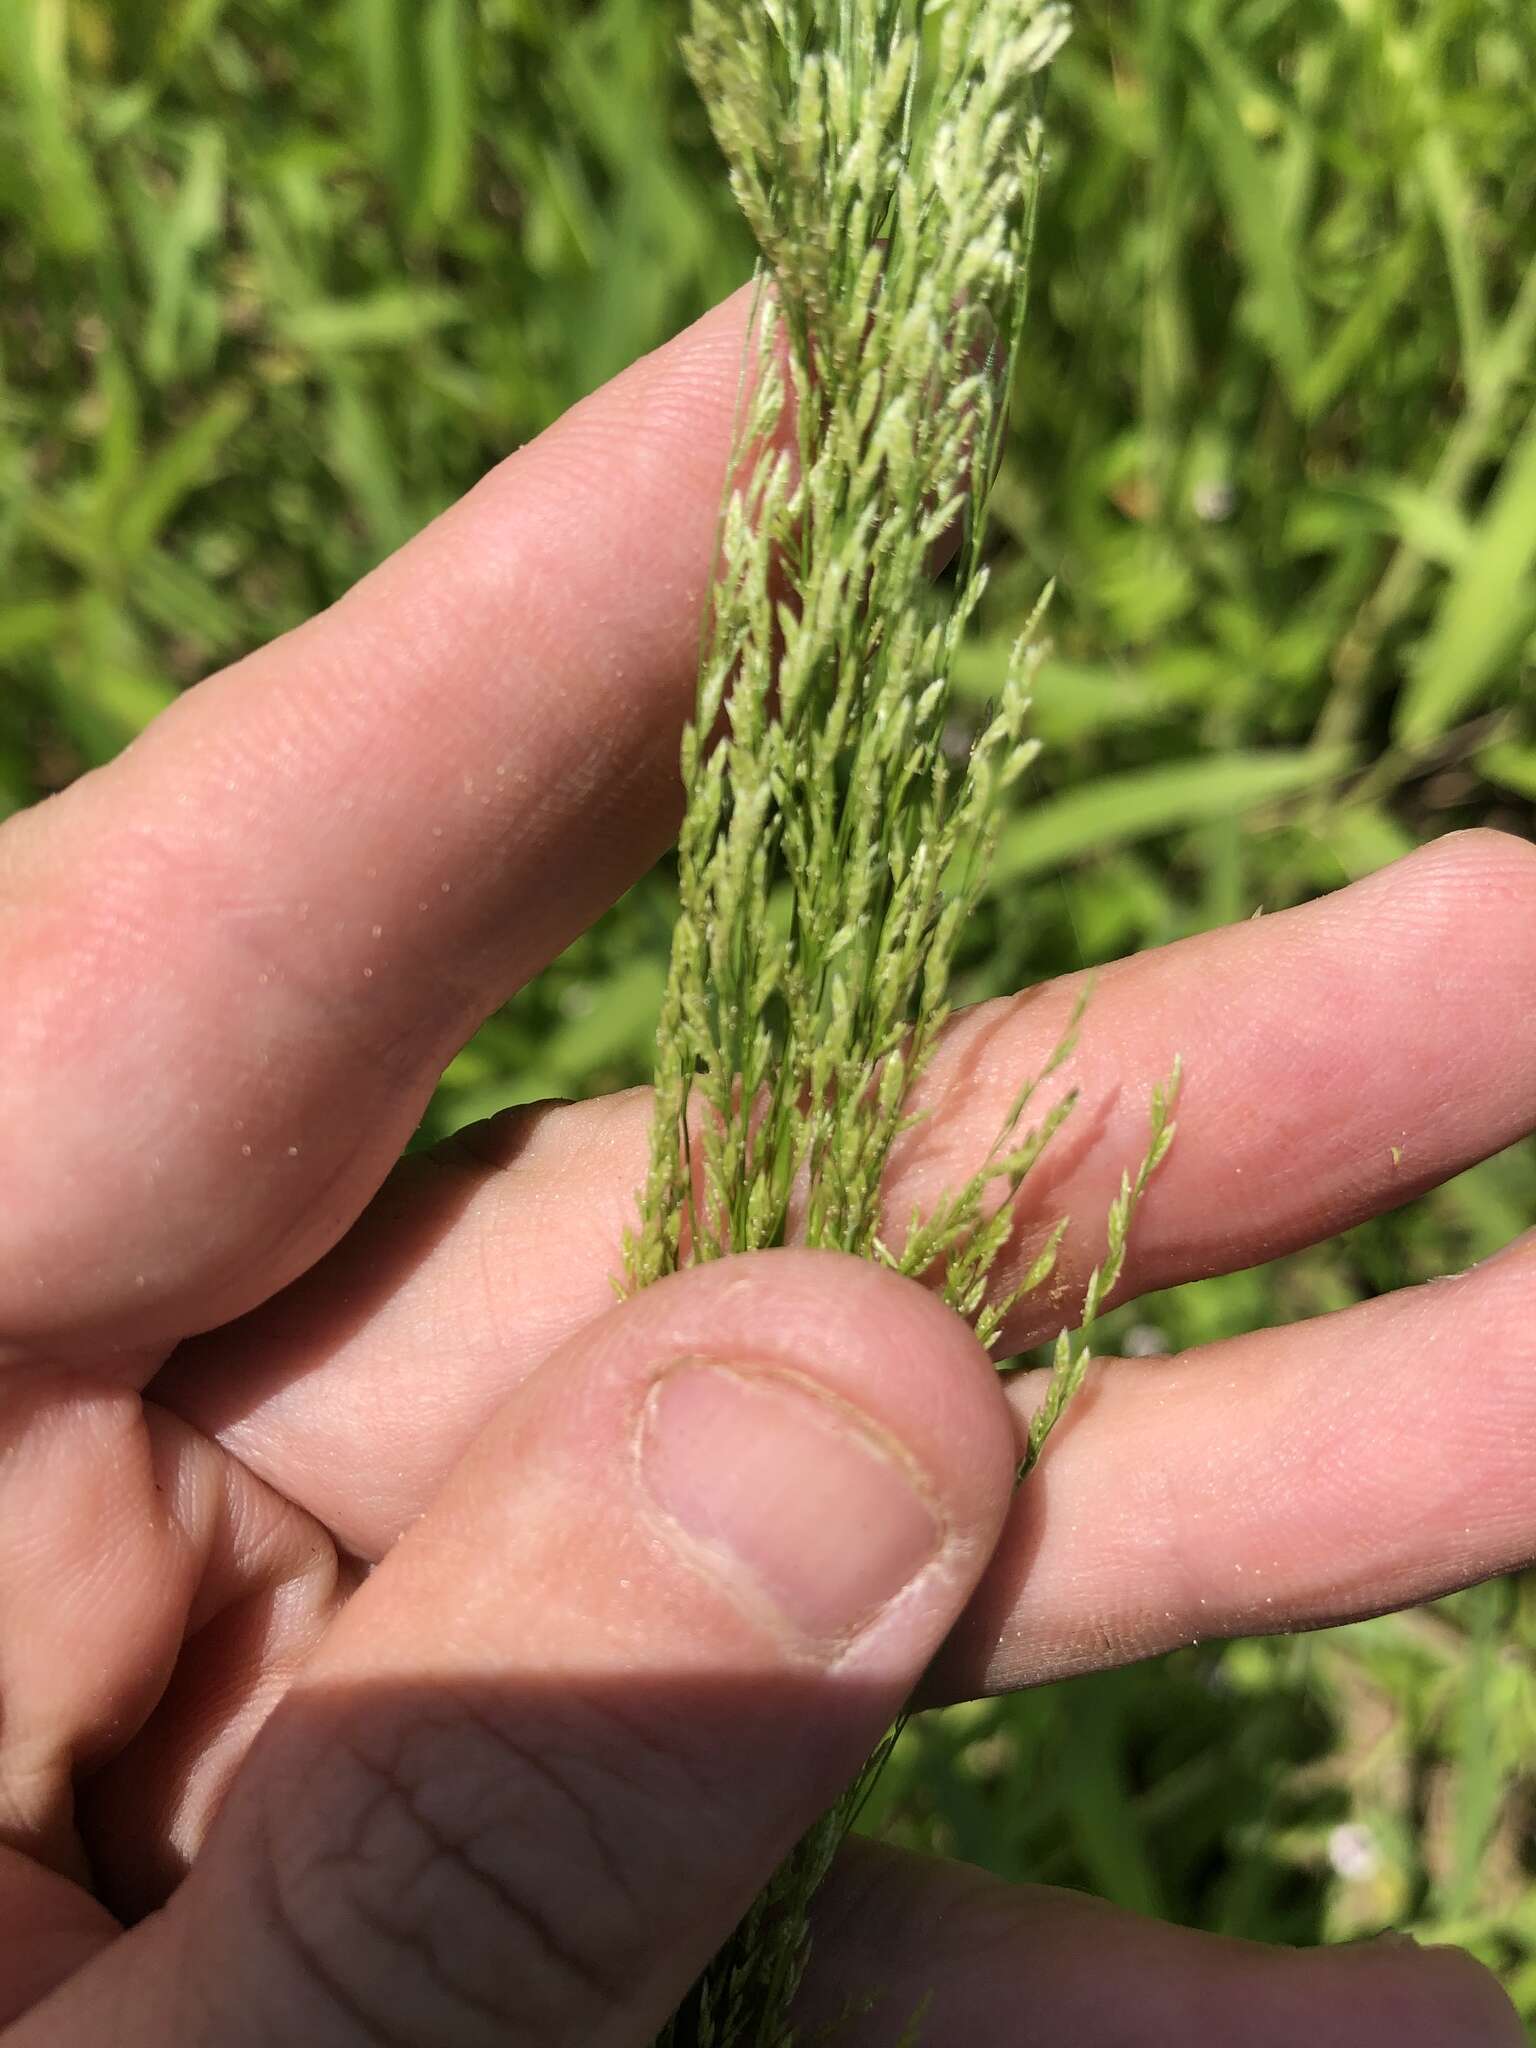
562	1735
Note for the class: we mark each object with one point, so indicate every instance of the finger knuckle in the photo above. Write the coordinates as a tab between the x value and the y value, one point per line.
458	1875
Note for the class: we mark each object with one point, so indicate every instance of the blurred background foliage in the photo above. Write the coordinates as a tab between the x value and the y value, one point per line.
280	278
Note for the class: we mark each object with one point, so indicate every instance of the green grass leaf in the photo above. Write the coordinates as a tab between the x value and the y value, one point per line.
447	34
35	76
394	317
176	469
1116	810
1259	182
390	75
1485	613
1510	765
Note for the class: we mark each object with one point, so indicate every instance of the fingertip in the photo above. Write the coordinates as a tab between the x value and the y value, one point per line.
1462	889
1392	1990
968	1947
1488	2014
1480	853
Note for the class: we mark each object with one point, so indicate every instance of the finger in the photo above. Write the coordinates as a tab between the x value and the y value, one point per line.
1339	1059
562	1734
1289	1479
1015	1966
52	1929
1316	1095
237	960
139	1568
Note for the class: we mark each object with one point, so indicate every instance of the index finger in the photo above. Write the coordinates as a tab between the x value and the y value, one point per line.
236	960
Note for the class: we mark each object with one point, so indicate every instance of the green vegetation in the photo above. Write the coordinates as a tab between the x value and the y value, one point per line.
278	278
835	841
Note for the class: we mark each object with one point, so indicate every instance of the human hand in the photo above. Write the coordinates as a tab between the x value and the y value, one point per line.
648	1580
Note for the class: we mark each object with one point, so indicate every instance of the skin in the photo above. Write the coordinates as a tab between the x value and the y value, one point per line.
402	1643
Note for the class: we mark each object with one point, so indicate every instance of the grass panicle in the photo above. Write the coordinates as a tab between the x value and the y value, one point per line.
888	158
887	155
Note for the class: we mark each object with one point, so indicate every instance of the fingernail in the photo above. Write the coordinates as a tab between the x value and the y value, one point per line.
788	1492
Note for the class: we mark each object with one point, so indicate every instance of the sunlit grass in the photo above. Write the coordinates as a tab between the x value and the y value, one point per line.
278	278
